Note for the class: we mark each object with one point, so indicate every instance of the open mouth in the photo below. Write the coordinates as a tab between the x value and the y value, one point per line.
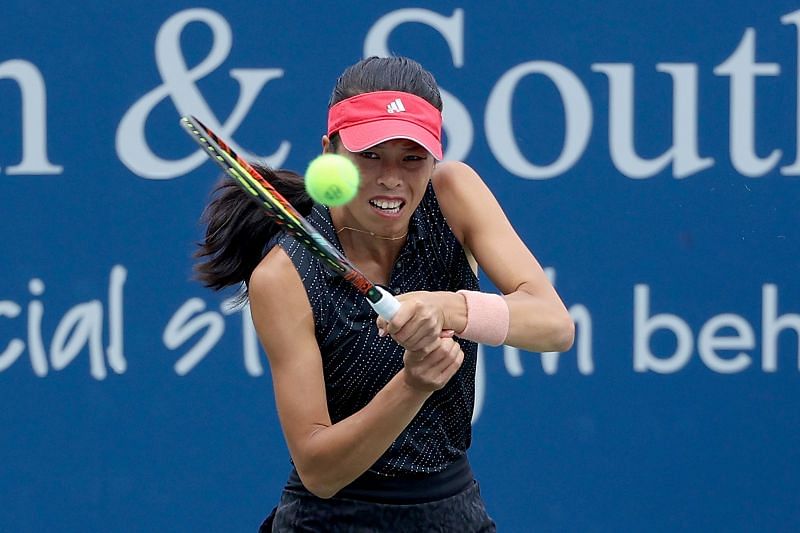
390	207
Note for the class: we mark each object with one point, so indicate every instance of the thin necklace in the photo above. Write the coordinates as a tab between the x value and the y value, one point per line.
371	234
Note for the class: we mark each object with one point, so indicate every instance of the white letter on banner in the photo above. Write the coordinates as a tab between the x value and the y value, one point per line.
686	160
179	85
250	346
116	354
771	328
684	122
15	347
81	327
34	118
708	343
741	66
500	128
457	123
480	385
794	168
182	327
35	342
643	328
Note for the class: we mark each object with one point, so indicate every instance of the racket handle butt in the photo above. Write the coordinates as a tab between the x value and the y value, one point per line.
387	306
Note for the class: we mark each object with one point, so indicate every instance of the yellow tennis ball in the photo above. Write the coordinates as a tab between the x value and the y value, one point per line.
332	179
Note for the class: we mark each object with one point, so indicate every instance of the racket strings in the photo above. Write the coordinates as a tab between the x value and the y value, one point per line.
260	188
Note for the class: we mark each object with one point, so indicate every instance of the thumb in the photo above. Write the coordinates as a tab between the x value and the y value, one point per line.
381	323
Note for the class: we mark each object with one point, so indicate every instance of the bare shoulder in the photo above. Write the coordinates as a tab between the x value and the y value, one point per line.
452	177
463	196
278	302
274	271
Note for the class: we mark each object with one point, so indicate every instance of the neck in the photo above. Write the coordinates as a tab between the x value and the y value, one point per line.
371	252
373	234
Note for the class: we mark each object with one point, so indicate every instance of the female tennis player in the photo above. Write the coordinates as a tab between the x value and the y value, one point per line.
377	414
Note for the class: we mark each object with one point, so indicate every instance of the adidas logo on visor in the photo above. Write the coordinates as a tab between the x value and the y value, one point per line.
396	106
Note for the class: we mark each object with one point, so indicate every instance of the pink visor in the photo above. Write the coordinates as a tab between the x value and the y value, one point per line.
365	120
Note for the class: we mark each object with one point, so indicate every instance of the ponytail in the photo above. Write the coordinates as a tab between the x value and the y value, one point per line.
238	229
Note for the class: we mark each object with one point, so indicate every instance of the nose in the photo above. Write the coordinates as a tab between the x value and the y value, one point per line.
390	176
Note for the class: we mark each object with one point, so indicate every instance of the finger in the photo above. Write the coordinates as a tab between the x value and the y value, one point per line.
431	347
420	329
441	356
381	323
420	339
416	357
432	343
430	358
404	314
445	368
451	365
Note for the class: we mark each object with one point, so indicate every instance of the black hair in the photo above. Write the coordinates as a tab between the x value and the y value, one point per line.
237	229
385	74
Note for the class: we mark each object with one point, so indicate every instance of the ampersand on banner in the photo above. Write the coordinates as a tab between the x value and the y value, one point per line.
179	85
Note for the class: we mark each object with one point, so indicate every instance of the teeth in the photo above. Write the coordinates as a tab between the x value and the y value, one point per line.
387	204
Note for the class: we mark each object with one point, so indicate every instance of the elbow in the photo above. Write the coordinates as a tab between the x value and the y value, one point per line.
322	491
556	333
317	478
315	483
564	335
320	471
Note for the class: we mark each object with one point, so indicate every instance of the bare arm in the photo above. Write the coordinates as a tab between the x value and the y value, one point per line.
330	456
539	320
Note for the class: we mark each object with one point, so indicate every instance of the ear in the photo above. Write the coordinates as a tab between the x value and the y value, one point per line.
326	145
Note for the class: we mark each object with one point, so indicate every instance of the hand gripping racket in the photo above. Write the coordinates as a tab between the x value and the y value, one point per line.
277	207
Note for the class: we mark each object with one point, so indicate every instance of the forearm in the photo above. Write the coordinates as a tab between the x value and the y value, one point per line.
538	324
333	456
535	323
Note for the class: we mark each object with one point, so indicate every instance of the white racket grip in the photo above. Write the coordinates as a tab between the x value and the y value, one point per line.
387	306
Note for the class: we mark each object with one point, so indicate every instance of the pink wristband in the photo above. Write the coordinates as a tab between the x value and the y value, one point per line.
487	318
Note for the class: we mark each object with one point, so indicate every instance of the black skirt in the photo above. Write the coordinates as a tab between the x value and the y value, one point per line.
463	513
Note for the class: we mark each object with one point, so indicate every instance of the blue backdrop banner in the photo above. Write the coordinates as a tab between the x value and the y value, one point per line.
646	152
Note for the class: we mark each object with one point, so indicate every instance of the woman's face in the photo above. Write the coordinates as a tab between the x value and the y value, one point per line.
394	176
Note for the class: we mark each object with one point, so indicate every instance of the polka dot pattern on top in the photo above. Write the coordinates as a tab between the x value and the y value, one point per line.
357	363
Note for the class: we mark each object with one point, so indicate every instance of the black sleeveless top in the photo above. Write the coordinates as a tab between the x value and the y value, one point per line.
357	363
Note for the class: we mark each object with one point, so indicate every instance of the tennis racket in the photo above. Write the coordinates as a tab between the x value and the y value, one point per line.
277	207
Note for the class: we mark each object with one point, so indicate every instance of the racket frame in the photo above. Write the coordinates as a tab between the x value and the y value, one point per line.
284	214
